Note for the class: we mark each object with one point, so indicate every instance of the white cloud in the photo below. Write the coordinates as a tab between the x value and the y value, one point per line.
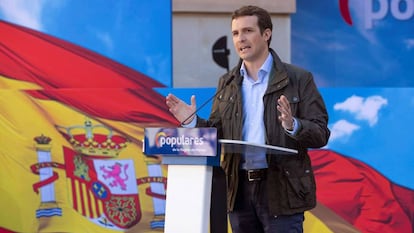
23	12
342	129
363	109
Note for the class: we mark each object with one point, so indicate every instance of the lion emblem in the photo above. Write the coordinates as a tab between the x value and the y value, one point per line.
114	174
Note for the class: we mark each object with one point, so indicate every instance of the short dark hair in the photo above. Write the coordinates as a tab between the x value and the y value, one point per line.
264	20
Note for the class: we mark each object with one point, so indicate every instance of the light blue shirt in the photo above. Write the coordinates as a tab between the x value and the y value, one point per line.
253	110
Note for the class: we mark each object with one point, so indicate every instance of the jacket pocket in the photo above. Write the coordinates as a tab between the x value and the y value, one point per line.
294	102
300	188
225	106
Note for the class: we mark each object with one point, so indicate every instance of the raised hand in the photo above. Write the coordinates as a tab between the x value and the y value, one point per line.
285	116
180	109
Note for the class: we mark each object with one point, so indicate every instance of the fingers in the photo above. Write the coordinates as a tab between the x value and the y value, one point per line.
180	109
285	116
283	107
171	100
283	102
172	103
193	101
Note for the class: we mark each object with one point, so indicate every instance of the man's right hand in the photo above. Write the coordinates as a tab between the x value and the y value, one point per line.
180	109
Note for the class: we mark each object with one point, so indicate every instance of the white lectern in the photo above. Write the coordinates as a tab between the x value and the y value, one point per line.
190	154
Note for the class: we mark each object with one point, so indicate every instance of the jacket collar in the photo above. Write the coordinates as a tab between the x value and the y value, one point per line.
278	77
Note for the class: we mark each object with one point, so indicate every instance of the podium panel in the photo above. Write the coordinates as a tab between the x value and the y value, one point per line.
190	154
188	198
185	146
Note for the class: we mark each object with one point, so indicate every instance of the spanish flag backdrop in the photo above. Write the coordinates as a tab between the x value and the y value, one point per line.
71	126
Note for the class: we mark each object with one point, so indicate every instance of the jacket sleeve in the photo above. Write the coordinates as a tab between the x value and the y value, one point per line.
311	114
214	118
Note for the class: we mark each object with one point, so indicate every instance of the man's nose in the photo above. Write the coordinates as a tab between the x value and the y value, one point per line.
241	37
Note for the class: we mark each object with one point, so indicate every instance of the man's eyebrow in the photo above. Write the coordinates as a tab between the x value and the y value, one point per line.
243	28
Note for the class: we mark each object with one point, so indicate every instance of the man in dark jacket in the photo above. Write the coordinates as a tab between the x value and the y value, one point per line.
264	101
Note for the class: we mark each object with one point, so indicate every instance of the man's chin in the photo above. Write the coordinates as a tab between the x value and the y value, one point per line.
243	56
247	58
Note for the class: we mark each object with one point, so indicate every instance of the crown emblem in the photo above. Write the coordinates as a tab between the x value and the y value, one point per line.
94	140
43	143
42	139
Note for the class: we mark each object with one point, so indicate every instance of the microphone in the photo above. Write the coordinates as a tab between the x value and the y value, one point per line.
212	97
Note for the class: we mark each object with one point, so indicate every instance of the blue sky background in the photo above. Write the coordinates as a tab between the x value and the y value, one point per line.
134	33
364	74
372	125
371	52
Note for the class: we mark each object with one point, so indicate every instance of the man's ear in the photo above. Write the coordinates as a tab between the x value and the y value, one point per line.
267	33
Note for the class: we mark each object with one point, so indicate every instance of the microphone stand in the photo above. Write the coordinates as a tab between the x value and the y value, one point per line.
212	97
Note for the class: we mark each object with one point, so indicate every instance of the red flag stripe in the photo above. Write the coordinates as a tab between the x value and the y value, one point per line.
50	62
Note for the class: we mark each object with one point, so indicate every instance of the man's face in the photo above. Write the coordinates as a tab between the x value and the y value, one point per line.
249	43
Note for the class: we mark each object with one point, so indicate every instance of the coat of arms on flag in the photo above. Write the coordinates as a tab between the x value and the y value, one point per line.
101	187
105	191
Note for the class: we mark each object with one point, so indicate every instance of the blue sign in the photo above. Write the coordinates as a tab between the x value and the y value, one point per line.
180	141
